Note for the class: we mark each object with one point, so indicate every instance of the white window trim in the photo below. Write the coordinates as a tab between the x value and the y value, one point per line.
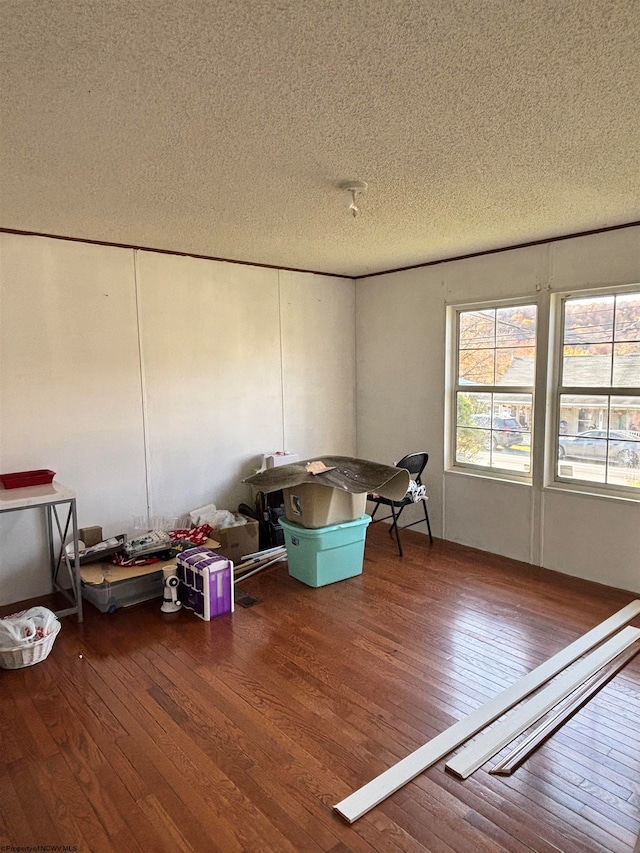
452	388
546	409
552	480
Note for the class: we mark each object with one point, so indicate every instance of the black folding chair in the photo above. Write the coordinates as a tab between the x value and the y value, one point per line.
414	463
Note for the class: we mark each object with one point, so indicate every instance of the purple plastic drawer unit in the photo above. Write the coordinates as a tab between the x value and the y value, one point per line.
206	582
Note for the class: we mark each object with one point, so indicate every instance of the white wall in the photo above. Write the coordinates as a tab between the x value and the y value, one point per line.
318	378
400	370
400	346
153	383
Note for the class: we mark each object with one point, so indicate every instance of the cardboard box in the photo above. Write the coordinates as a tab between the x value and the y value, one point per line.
237	541
312	505
90	536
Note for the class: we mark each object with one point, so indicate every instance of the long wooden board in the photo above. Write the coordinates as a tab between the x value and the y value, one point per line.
374	792
492	741
564	712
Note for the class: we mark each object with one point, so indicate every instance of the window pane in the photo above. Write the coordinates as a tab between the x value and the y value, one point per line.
516	326
470	405
494	430
593	445
574	469
516	366
587	365
473	445
624	453
579	413
477	329
589	320
626	364
628	317
477	367
625	415
596	460
516	409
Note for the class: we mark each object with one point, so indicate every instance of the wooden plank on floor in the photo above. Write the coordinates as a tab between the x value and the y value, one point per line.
364	799
568	708
492	741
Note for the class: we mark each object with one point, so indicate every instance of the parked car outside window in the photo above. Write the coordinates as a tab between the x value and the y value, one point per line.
595	444
505	431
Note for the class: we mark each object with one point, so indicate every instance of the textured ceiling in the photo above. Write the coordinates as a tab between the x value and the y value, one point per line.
225	128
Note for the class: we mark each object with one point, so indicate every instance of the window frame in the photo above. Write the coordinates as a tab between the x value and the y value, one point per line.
453	388
555	390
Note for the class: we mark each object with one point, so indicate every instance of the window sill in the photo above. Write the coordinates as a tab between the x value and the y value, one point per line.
586	492
497	476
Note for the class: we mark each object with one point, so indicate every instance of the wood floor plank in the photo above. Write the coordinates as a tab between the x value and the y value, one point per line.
25	693
157	757
69	805
151	732
15	817
283	755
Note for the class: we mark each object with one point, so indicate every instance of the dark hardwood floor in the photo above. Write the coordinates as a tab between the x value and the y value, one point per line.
146	732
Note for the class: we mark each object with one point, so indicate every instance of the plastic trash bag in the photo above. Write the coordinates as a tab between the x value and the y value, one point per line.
218	519
26	627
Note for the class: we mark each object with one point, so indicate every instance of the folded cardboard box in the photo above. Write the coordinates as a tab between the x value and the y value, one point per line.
356	476
331	490
239	540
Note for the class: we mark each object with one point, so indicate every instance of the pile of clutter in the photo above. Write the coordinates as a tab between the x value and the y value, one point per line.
155	544
125	570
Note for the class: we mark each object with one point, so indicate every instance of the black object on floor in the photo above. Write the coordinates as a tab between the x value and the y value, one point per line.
246	600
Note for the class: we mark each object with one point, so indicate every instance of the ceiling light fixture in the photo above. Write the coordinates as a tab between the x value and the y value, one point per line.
354	187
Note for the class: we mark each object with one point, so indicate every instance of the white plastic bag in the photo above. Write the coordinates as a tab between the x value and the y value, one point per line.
26	627
219	519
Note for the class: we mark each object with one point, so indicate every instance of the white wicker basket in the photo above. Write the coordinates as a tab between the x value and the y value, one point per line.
29	654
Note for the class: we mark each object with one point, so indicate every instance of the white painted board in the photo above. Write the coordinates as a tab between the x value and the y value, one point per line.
70	389
374	792
492	741
210	348
318	364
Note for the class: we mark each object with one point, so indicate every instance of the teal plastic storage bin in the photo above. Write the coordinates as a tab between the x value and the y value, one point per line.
325	555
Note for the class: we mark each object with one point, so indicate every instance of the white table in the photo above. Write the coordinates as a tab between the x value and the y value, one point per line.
50	498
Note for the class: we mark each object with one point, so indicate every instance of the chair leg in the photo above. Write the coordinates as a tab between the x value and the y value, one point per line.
395	524
375	510
426	516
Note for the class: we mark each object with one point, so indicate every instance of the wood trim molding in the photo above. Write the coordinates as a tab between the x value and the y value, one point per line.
564	712
167	252
387	783
542	242
478	254
492	741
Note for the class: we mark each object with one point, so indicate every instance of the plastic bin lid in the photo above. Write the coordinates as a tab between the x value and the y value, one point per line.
318	532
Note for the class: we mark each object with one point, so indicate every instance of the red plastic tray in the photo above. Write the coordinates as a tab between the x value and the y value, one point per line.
22	479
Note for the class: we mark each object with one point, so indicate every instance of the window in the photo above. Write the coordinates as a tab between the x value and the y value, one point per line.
494	388
598	395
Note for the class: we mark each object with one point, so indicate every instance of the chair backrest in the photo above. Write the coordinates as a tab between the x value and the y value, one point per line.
414	463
